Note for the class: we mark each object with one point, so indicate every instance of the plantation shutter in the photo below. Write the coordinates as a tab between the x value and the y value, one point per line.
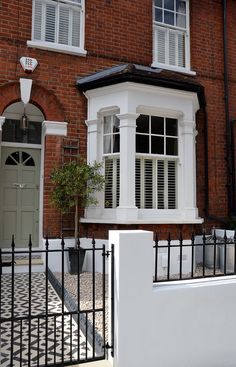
38	10
50	26
108	182
161	45
148	184
170	46
76	24
64	18
155	183
138	183
160	184
112	182
57	22
171	185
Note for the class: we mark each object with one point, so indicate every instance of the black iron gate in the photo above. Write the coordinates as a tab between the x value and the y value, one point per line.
48	316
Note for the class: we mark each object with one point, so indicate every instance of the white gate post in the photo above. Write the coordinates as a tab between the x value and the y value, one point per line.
133	272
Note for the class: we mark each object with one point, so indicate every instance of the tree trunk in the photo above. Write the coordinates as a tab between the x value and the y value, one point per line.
76	220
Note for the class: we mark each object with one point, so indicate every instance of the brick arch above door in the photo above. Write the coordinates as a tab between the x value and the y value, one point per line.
44	99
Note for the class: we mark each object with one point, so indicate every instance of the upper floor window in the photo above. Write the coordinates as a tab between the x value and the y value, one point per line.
58	23
171	34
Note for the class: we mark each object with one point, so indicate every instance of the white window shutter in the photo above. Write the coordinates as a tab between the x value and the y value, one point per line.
50	26
172	48
160	184
161	45
171	184
76	28
108	183
112	182
148	183
38	11
117	183
181	49
64	18
138	183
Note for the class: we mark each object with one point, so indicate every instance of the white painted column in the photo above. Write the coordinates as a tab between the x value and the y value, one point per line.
94	127
127	209
94	153
188	159
133	255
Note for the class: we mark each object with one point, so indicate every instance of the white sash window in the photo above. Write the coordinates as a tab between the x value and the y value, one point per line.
171	34
58	25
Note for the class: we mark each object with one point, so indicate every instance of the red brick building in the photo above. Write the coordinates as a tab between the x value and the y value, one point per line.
147	88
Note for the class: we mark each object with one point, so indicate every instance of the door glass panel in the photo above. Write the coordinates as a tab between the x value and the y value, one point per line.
10	161
11	132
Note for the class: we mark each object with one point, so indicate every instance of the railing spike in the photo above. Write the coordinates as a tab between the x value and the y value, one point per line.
46	242
30	242
93	240
13	242
62	241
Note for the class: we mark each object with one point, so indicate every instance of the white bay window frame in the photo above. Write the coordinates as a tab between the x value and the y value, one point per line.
162	57
133	99
74	8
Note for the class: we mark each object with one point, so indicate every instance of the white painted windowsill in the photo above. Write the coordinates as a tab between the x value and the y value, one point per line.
49	46
173	68
142	221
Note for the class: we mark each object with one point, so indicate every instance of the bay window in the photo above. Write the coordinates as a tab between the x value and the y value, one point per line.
145	137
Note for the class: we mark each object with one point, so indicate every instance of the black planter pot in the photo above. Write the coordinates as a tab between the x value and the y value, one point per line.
74	255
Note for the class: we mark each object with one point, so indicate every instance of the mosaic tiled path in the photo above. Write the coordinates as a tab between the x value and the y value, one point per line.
38	344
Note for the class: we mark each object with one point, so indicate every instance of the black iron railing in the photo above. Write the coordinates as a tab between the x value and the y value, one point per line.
203	256
42	321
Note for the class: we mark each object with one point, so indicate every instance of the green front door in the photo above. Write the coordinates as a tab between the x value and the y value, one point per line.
19	196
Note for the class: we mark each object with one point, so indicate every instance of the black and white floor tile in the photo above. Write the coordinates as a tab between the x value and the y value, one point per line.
70	344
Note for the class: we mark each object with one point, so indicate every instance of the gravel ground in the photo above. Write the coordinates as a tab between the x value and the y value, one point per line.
86	291
86	295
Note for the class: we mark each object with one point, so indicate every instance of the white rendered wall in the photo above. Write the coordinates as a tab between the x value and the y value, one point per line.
188	324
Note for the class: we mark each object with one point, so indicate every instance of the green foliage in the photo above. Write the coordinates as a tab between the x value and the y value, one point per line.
76	182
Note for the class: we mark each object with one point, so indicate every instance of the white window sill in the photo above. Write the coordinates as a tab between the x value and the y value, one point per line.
173	68
146	216
142	221
72	50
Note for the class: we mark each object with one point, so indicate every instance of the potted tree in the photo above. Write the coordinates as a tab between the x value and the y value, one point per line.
74	186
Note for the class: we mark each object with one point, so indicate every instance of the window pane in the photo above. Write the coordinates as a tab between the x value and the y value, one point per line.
116	124
157	145
107	125
171	127
158	15
107	144
169	18
157	125
169	4
50	23
142	143
34	132
181	20
116	143
10	161
181	6
142	124
171	146
12	132
158	3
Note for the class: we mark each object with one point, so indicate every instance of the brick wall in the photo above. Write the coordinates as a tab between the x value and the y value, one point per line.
118	31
